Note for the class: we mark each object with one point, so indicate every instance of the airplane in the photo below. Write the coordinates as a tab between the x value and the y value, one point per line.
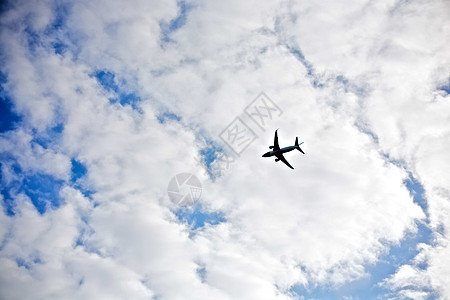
276	151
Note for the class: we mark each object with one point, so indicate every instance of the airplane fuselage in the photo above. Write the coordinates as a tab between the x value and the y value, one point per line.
278	152
281	151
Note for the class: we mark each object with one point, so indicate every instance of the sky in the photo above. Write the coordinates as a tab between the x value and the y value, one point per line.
103	104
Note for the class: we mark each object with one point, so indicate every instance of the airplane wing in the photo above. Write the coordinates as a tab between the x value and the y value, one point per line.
281	157
275	142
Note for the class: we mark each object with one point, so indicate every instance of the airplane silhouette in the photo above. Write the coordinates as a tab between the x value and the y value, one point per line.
276	151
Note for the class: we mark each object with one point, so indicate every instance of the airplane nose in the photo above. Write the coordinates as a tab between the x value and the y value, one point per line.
266	154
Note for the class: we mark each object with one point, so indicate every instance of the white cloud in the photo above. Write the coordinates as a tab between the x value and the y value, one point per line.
31	156
320	224
397	50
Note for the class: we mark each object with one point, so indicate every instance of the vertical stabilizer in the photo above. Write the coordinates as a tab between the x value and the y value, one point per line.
298	146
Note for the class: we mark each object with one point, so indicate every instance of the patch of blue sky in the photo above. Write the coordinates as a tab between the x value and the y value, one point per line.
349	86
8	201
7	159
8	118
201	273
445	87
417	192
55	30
368	286
197	216
400	163
84	232
129	98
61	10
34	40
43	191
356	290
78	170
38	40
365	128
210	153
27	263
49	37
110	83
49	136
168	116
60	47
85	191
3	6
107	80
10	181
319	82
180	20
80	240
22	263
298	54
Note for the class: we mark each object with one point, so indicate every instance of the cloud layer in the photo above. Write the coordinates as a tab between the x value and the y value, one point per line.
112	100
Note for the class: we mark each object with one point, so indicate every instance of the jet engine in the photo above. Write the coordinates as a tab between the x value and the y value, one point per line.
276	159
270	147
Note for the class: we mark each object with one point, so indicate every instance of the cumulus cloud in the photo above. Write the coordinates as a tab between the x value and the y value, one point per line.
360	83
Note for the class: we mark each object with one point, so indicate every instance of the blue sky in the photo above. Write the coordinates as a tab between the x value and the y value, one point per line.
102	103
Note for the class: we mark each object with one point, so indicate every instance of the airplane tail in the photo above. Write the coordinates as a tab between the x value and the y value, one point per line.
297	145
